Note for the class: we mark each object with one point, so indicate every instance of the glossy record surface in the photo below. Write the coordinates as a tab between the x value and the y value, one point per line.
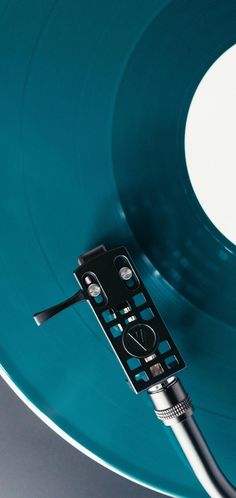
94	99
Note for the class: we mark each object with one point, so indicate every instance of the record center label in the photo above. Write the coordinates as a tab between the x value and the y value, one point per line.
210	145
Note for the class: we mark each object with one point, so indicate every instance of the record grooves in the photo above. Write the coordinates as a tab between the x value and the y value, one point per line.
96	155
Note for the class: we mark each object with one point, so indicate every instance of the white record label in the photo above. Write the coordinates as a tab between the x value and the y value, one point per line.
210	143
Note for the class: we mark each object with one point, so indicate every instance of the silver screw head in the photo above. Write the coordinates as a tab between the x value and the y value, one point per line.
125	273
94	290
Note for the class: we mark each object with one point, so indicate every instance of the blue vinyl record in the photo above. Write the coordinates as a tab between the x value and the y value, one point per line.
94	101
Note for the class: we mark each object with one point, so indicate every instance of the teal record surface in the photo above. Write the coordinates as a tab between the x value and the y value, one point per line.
94	100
